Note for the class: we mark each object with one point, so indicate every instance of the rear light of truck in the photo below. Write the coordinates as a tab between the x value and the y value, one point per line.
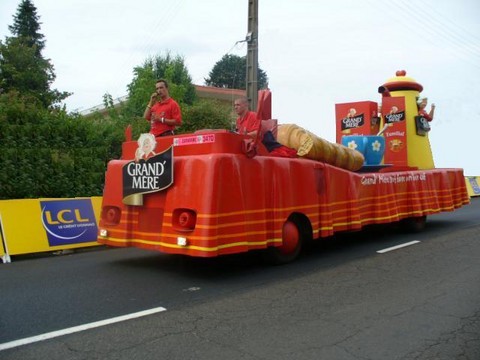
184	219
111	215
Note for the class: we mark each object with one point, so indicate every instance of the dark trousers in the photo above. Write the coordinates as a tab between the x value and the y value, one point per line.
165	133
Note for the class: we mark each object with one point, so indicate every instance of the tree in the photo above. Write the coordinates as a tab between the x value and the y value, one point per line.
56	154
22	66
206	114
26	25
166	67
230	72
45	152
196	114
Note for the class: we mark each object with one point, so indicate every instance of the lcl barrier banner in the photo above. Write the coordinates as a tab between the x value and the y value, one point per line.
473	185
40	225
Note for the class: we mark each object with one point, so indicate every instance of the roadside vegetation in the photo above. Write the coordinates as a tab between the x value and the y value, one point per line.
46	151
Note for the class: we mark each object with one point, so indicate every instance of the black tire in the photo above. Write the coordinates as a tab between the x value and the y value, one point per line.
414	224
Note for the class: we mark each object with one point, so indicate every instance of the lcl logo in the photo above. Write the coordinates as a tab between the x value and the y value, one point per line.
68	221
65	216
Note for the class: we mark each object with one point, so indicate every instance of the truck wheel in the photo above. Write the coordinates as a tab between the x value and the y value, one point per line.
414	224
290	248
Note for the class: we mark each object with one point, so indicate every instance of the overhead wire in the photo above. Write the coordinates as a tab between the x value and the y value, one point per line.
159	29
456	45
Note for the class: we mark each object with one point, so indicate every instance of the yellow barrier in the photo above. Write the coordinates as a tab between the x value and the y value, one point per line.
473	185
39	225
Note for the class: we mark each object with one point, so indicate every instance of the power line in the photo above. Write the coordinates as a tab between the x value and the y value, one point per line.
436	26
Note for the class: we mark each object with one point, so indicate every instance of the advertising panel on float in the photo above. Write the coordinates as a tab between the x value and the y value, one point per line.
39	225
147	174
356	118
393	113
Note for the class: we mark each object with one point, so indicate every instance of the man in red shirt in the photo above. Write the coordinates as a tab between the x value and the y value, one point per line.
247	122
162	111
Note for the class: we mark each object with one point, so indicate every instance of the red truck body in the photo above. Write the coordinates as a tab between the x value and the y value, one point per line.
219	201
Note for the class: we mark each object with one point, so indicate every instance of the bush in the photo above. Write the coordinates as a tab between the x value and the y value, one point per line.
206	114
49	153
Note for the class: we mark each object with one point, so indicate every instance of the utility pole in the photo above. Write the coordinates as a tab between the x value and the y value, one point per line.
252	54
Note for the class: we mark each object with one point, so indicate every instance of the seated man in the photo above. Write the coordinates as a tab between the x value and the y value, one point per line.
248	123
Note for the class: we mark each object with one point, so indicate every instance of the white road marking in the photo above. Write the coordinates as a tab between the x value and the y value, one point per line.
397	247
54	334
193	288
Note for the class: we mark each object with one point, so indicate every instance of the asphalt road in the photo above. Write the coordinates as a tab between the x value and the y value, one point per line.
341	300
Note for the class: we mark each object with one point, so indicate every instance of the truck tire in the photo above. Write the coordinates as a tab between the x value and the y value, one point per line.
290	248
414	224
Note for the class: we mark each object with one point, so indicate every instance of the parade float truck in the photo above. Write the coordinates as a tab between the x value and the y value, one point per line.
216	192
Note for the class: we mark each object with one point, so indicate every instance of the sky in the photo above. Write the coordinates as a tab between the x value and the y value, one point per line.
316	53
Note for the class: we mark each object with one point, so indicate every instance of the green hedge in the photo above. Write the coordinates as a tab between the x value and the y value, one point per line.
50	153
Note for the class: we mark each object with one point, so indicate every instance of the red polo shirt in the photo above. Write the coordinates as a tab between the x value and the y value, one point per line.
167	109
248	123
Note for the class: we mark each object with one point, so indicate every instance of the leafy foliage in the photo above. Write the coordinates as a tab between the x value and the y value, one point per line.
196	114
22	66
46	153
166	67
26	26
206	114
230	72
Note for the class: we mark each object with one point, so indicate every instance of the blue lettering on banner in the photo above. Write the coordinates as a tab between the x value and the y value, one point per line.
69	222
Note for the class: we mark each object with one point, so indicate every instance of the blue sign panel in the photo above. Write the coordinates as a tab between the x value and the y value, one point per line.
474	184
69	222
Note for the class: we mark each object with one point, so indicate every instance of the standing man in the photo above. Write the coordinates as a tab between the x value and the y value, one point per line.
247	122
162	111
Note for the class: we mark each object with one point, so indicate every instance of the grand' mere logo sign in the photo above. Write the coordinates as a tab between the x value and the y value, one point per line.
143	176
